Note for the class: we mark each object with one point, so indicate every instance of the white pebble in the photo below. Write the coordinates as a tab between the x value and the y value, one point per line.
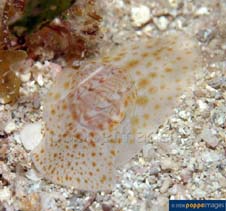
38	78
25	77
174	3
202	11
210	139
202	105
161	22
10	127
140	15
5	194
31	135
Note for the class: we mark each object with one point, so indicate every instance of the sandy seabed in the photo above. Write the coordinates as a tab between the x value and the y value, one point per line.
184	159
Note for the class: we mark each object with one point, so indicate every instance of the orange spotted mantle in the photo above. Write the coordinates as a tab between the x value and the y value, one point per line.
99	116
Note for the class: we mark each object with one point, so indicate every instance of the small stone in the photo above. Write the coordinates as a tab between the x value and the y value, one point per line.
202	11
154	171
202	106
218	116
140	15
184	115
211	156
106	207
178	190
48	202
3	149
161	22
39	78
168	164
5	194
186	175
218	82
210	139
205	35
165	186
174	3
10	127
25	77
31	135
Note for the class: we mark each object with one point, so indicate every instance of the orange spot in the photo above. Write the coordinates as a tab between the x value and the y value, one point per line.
135	120
138	72
152	90
100	126
146	116
57	96
168	69
152	75
143	83
53	170
117	58
145	54
66	85
178	88
103	179
53	111
42	151
106	59
113	152
157	106
142	100
94	164
92	143
92	134
64	106
132	63
149	64
64	135
78	136
93	154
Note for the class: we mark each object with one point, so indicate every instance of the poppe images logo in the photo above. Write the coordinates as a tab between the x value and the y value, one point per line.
203	205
